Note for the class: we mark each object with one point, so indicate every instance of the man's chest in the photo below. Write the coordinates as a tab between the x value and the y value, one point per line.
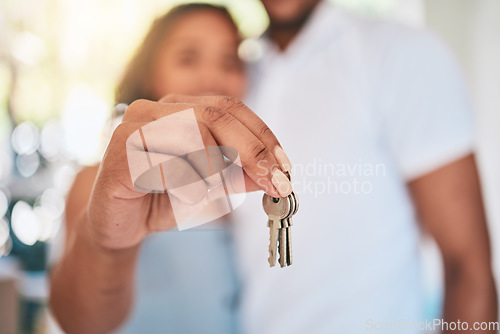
322	110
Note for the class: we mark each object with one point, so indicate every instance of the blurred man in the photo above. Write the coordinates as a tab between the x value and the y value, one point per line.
375	119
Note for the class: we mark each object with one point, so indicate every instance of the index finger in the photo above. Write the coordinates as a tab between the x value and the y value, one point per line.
236	108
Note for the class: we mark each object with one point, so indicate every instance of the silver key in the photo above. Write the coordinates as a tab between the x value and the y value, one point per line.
284	235
289	228
282	239
276	210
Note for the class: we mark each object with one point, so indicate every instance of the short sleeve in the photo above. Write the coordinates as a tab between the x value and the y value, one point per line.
427	119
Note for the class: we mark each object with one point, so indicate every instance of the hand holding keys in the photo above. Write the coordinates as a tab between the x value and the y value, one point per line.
280	212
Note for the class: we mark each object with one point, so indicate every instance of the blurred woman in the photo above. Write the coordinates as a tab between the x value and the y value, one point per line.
185	281
192	50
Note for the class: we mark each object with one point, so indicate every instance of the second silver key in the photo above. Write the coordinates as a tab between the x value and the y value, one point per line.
276	210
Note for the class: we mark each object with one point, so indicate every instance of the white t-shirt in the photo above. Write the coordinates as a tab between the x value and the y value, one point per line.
360	107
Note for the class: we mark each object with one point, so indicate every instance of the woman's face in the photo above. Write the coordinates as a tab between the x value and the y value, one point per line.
199	56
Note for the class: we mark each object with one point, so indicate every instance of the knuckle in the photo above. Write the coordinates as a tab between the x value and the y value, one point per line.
137	104
136	108
230	102
259	152
213	114
264	131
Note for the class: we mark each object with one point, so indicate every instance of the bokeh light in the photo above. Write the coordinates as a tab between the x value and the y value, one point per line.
48	225
4	203
49	209
25	223
5	240
83	119
53	202
27	164
250	50
28	48
25	138
4	232
63	177
51	140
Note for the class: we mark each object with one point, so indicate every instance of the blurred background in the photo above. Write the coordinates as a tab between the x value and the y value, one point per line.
59	62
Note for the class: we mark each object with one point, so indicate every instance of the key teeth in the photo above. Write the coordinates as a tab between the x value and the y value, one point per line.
282	263
270	258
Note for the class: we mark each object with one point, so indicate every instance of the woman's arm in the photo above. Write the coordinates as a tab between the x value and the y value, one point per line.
450	206
91	287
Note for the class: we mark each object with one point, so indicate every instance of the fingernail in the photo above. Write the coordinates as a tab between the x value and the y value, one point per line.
281	182
282	159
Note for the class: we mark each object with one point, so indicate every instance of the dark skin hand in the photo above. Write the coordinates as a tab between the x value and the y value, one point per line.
448	202
107	219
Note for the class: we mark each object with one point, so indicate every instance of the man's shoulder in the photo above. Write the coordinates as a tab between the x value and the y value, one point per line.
388	35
